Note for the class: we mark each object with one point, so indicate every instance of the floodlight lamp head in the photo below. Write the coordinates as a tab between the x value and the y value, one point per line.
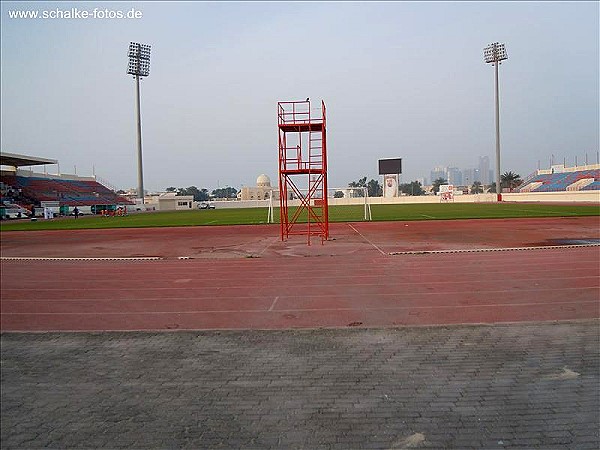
139	59
495	53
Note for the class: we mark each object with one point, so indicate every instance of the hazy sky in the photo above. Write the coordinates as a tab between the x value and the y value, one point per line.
399	79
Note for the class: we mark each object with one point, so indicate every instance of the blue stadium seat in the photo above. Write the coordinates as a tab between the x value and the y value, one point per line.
557	182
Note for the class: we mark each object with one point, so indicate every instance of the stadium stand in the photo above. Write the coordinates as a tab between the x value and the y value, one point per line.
594	186
563	179
68	192
23	189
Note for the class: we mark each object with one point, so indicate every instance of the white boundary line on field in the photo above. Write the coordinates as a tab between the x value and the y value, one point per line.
361	235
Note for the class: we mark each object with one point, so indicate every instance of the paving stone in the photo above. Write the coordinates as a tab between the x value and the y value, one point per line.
443	387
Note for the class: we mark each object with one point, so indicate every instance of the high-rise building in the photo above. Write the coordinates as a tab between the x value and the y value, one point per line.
468	177
438	172
484	170
454	176
465	177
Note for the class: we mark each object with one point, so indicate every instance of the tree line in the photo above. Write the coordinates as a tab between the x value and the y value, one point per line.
202	195
375	189
508	180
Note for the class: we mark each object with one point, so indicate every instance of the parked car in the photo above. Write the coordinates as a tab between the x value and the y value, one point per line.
19	214
205	205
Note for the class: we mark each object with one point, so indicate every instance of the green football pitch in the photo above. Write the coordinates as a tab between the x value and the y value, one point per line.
355	213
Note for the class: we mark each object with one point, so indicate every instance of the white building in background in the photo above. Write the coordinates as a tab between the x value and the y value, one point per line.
262	190
167	201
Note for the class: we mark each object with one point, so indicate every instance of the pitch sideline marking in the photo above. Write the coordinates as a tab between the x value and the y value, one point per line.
361	235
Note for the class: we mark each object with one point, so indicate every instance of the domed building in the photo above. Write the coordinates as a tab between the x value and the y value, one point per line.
262	190
263	181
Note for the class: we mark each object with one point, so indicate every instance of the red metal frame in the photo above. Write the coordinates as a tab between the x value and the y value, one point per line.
303	159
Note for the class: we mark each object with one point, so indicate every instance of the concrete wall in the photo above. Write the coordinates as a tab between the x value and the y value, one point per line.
574	196
479	198
571	196
244	204
64	176
560	168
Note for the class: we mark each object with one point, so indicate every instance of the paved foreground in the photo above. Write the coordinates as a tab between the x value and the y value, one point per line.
519	386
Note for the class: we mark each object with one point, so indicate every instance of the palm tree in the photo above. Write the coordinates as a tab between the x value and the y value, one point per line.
477	188
510	180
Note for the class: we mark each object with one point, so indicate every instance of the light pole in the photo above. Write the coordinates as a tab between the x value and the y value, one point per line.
139	66
494	53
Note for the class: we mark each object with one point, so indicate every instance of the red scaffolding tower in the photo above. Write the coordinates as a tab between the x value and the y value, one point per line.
302	170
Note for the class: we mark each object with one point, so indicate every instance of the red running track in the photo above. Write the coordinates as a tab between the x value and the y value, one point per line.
352	281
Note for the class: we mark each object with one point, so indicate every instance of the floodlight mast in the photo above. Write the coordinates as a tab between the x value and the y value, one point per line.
139	66
494	53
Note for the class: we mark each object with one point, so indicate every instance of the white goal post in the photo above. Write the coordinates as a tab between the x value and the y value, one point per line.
335	197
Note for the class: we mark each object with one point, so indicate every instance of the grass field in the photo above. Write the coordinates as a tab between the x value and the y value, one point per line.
249	216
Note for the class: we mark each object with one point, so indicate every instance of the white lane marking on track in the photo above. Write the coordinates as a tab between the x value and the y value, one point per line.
399	297
430	264
268	245
273	304
362	236
399	284
229	311
481	250
47	258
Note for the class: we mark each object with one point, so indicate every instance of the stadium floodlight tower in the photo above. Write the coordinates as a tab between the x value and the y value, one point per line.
494	54
139	66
